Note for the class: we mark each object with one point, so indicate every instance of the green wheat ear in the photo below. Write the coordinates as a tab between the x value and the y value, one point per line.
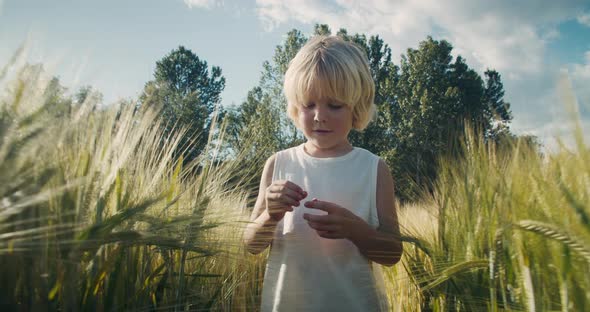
418	243
550	231
456	269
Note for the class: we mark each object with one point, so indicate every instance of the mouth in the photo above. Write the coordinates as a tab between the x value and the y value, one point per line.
321	131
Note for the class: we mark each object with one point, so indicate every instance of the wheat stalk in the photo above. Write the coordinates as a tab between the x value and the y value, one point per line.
552	232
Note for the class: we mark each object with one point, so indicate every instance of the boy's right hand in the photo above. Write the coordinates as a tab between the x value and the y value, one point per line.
281	196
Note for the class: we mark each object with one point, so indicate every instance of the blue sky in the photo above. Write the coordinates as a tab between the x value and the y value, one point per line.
113	45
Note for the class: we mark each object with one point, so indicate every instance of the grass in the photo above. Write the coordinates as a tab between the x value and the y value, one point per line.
512	233
97	213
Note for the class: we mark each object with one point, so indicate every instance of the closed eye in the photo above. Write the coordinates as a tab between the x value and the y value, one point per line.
309	105
335	106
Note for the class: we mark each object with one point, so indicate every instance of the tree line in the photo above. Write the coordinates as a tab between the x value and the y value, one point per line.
425	103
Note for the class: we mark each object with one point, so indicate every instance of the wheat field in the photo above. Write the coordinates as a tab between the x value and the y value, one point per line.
98	213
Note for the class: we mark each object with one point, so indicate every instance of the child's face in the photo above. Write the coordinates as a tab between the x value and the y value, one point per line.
325	123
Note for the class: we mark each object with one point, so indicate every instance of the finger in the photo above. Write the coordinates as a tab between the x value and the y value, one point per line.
283	195
321	227
285	184
320	219
282	189
322	205
278	200
296	188
279	207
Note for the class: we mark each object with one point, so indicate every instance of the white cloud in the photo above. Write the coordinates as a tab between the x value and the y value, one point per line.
554	112
205	4
571	92
551	34
558	134
506	35
582	71
584	19
400	21
580	76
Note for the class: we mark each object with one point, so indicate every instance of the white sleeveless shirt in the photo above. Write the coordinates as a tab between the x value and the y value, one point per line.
305	272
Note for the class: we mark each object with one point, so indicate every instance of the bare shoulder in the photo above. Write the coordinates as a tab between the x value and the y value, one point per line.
384	174
268	170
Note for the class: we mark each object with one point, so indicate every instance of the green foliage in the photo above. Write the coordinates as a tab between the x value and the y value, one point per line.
497	110
107	218
377	136
423	107
260	126
187	94
111	217
513	232
436	99
87	94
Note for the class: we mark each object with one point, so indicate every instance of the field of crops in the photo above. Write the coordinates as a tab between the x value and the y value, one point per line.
97	213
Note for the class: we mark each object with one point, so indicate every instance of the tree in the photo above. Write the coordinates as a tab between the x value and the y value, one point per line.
377	136
187	94
261	124
498	110
436	99
252	128
423	106
87	94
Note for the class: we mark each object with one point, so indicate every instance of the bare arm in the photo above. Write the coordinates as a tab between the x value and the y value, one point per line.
383	245
273	201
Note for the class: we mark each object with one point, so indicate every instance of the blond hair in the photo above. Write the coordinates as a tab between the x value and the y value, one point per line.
331	68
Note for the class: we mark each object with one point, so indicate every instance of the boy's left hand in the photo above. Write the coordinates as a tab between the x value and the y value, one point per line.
338	223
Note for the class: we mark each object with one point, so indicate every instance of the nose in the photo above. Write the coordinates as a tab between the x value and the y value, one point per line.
319	114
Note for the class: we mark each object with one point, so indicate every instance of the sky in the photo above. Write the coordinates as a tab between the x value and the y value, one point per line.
540	47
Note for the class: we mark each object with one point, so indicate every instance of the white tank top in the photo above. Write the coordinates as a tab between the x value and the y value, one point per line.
305	272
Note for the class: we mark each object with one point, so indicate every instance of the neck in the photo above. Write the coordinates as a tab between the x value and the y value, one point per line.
335	151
